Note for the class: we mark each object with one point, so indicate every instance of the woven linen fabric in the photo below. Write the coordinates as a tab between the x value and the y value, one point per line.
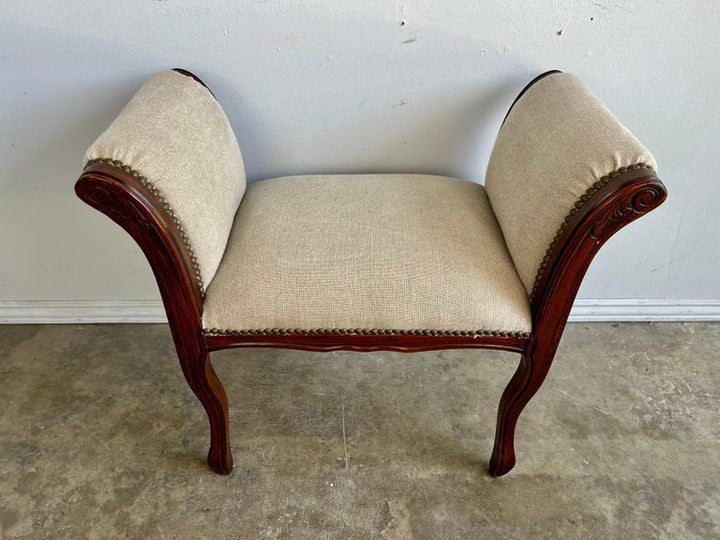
175	133
386	251
557	141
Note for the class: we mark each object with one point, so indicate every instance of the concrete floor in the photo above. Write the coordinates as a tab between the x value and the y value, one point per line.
100	437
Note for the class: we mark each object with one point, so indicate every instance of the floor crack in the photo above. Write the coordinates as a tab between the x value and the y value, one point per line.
347	458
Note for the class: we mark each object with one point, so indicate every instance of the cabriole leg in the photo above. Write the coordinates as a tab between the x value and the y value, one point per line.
202	379
522	387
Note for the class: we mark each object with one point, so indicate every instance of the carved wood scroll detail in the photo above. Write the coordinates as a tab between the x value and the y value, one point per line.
638	203
114	205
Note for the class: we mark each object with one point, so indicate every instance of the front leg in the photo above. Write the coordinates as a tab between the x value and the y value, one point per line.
202	379
527	380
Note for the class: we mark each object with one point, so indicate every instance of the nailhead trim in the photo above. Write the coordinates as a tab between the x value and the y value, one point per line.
363	332
145	182
578	204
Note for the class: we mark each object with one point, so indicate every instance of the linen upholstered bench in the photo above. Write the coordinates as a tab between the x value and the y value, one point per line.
368	262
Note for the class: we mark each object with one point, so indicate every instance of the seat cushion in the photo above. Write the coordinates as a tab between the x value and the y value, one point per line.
362	253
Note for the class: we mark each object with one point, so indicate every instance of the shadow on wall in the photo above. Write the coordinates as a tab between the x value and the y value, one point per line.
458	135
66	87
443	133
395	99
447	134
49	231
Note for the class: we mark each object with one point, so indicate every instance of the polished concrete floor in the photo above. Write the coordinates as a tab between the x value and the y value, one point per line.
101	438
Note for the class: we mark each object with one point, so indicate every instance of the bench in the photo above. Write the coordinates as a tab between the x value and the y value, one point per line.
369	262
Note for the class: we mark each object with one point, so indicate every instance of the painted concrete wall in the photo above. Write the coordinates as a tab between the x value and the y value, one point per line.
317	86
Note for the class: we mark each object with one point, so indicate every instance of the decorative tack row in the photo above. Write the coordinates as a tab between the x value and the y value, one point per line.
363	332
373	331
149	185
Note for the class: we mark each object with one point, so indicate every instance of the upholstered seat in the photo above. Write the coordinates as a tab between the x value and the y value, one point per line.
361	253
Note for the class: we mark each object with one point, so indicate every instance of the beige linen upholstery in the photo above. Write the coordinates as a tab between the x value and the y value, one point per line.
397	252
174	133
557	141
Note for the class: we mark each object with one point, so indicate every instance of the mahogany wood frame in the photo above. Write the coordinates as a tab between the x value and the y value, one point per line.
121	196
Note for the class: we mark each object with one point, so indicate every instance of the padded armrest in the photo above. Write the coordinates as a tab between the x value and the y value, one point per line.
174	137
557	142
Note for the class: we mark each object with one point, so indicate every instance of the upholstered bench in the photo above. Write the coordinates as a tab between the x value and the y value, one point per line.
369	262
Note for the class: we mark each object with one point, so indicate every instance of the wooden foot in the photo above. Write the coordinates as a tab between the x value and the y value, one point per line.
522	387
220	460
202	379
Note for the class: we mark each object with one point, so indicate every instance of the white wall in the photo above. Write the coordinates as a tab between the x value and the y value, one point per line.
318	86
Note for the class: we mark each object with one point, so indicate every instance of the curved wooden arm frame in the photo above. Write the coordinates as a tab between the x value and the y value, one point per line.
117	193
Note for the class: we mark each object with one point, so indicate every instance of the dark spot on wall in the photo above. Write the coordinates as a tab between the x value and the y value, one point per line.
410	40
402	23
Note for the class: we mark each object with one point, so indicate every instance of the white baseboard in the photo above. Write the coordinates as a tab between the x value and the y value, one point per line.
82	311
602	310
151	311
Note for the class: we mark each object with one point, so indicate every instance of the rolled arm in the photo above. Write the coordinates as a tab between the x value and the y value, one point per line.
557	147
175	138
